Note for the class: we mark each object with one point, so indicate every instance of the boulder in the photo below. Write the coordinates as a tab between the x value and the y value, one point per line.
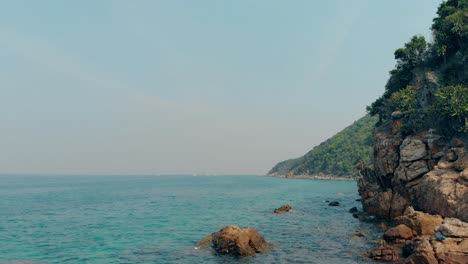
452	227
232	240
353	210
451	250
398	234
334	203
422	223
408	171
283	209
412	149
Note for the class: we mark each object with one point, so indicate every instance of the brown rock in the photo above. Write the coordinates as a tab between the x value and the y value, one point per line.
386	149
444	165
398	233
384	252
423	254
232	240
441	192
379	204
458	143
422	223
451	250
452	227
283	209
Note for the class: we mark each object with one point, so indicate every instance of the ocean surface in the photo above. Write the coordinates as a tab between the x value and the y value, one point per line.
158	219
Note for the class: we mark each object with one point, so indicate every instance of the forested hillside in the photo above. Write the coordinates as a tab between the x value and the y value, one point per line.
336	156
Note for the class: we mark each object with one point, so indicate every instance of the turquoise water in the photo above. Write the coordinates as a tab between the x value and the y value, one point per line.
145	219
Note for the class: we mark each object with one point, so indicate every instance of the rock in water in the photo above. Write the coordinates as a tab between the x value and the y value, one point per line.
283	209
334	203
232	240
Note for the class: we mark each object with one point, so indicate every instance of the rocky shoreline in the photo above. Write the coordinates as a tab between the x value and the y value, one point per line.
321	177
420	183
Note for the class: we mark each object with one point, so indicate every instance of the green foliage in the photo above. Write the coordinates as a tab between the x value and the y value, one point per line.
403	101
336	156
451	27
452	104
447	58
413	54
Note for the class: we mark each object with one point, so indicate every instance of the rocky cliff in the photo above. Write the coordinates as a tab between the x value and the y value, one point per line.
426	171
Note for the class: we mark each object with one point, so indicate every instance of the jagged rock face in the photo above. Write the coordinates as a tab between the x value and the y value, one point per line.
440	191
425	171
386	150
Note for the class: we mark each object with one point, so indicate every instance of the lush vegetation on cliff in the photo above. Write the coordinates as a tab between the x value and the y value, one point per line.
428	88
336	156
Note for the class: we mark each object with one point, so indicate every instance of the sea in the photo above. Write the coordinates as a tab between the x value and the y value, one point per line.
159	219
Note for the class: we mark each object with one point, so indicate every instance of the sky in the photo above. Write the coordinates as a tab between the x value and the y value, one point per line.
182	87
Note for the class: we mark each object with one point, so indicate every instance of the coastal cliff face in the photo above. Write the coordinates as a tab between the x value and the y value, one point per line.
426	171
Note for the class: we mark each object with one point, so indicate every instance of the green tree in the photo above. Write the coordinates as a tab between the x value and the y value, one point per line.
403	100
452	103
412	54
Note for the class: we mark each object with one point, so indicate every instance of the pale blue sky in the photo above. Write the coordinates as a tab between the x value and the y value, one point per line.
209	86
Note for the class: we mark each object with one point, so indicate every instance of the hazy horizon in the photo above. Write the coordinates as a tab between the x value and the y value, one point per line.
184	87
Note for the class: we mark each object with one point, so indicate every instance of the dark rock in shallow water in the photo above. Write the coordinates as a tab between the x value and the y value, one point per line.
359	233
283	209
232	240
353	210
334	203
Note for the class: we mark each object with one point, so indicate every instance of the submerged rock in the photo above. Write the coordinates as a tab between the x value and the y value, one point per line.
283	209
334	203
353	210
359	233
232	240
